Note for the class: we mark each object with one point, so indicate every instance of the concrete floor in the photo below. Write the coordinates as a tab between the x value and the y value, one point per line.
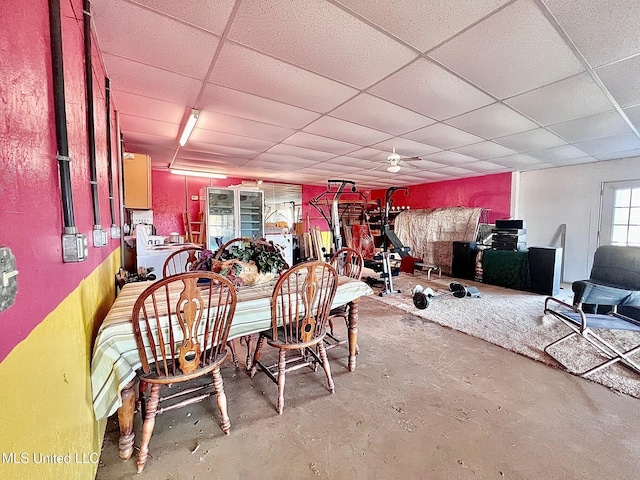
425	402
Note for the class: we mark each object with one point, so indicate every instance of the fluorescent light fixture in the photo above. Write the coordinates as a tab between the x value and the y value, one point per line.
188	128
194	173
393	168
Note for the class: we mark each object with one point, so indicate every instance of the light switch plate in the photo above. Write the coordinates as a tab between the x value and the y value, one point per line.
8	278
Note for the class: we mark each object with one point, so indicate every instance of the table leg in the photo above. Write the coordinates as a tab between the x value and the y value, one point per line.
125	420
353	333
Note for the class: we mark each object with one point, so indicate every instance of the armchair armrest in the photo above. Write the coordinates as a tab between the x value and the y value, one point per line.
586	291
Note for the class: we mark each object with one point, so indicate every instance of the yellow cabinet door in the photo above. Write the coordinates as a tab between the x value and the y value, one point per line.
137	180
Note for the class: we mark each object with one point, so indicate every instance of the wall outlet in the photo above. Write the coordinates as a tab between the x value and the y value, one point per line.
75	247
99	237
9	278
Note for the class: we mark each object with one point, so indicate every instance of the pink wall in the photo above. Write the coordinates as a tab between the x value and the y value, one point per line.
488	191
171	196
31	222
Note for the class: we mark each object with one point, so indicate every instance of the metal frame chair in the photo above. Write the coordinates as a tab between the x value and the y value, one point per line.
300	305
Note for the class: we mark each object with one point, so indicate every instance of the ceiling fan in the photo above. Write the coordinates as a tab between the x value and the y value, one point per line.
396	162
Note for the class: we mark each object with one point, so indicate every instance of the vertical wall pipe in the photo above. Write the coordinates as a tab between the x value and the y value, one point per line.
62	142
86	10
107	85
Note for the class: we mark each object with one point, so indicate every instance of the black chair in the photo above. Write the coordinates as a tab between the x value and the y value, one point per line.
608	300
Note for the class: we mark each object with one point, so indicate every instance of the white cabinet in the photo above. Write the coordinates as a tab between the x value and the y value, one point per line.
230	213
285	242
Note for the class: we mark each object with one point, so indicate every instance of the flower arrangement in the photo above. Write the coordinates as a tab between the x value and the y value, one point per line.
244	263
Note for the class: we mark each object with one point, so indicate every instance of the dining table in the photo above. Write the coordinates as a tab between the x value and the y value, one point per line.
115	357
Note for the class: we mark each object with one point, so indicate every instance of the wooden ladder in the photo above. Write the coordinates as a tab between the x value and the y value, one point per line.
193	229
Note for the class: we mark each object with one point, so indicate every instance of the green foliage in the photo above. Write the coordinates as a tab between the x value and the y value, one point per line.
265	255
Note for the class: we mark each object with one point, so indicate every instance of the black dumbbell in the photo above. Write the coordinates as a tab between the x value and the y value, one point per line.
422	297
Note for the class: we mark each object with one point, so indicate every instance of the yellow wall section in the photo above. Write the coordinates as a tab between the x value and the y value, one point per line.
45	398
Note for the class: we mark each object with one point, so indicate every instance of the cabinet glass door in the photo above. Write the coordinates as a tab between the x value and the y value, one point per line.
220	216
251	213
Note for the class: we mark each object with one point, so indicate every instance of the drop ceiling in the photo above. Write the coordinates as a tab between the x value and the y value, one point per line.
301	91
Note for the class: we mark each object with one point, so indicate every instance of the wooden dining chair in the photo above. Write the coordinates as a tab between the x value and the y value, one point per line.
181	261
349	263
181	324
300	305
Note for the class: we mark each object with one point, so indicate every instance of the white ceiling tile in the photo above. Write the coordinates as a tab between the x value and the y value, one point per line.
443	136
496	120
622	79
568	99
132	77
293	151
339	165
531	140
572	161
557	153
211	16
249	71
203	136
607	145
430	90
316	142
224	150
147	139
633	114
540	166
333	39
517	161
421	164
407	19
456	171
149	126
627	154
603	30
592	127
449	158
513	51
363	154
484	150
376	113
147	37
432	175
483	166
140	106
220	122
240	104
346	131
280	162
405	147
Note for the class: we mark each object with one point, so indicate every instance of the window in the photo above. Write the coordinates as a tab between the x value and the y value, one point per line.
625	228
620	220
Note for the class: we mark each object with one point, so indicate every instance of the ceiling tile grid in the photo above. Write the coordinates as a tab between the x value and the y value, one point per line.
298	90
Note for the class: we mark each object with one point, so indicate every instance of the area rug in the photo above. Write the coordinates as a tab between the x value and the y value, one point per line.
514	320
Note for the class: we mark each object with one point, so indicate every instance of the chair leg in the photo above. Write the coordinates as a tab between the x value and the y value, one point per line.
234	355
327	368
141	404
248	340
147	426
282	363
256	356
331	325
346	321
222	400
